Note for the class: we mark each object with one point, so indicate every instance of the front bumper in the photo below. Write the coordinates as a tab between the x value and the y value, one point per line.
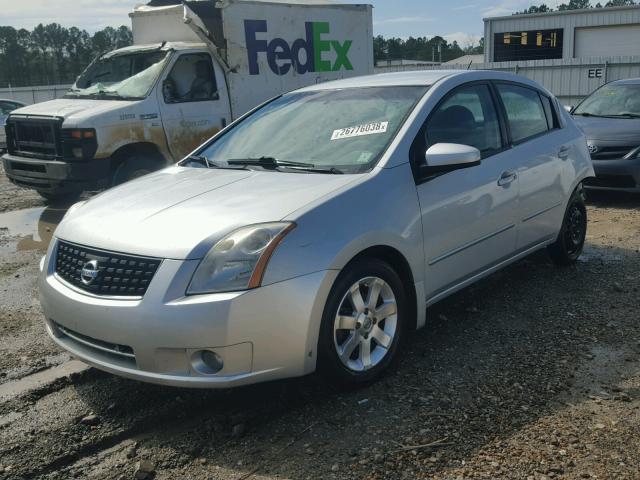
261	334
57	176
619	175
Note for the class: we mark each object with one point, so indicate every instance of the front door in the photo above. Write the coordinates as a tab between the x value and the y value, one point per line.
469	216
194	103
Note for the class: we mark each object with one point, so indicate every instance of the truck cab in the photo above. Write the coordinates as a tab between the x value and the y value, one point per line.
133	111
194	67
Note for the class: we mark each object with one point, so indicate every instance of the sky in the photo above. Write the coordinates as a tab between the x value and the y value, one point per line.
459	20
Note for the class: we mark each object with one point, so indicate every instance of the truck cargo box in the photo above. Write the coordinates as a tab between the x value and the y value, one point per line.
267	47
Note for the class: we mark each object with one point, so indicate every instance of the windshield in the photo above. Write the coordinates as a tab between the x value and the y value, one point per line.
128	76
341	129
614	100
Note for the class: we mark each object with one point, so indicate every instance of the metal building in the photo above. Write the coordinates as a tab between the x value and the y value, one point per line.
571	52
594	32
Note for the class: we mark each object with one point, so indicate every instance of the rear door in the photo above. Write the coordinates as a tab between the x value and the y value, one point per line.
469	216
194	102
538	143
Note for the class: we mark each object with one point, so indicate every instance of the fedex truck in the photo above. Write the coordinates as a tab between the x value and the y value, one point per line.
194	68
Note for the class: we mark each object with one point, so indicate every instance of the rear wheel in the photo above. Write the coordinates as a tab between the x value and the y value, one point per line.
570	242
363	322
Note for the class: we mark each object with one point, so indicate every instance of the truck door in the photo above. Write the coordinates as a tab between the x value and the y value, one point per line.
194	103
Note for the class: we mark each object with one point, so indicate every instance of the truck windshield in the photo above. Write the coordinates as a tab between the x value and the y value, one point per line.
126	76
614	100
344	130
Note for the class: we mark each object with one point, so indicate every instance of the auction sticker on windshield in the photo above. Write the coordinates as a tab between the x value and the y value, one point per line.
358	130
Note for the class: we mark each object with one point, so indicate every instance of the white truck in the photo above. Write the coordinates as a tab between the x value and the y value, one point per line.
194	67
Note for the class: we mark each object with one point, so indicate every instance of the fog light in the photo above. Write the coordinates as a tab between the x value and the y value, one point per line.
207	362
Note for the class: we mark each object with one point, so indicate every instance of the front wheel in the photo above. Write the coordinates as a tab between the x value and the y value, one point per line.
570	242
60	197
134	167
363	322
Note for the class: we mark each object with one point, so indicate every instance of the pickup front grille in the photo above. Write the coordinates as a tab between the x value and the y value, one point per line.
32	136
104	273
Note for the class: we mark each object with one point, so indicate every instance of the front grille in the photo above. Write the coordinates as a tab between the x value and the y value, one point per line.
37	137
115	274
27	167
108	347
611	181
612	153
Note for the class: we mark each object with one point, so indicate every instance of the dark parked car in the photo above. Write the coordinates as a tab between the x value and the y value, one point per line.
610	118
6	107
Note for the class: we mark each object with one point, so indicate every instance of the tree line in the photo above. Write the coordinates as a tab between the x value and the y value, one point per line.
575	5
52	54
422	48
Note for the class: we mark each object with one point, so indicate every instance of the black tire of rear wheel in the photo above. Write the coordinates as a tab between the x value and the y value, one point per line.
329	364
570	242
134	167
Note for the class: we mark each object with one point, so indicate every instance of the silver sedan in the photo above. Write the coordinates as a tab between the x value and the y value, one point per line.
314	232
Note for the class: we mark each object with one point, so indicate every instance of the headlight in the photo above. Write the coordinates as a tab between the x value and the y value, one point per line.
238	261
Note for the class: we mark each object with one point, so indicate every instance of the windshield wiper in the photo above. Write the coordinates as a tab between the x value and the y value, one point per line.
625	115
202	160
331	170
268	162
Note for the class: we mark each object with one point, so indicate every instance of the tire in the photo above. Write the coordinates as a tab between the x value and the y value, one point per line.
135	166
60	197
342	351
570	242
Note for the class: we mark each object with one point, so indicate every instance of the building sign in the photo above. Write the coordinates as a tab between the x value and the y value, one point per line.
529	45
595	73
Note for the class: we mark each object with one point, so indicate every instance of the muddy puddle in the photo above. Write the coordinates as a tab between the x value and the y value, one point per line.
29	229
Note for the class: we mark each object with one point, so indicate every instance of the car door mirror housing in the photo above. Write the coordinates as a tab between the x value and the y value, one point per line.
569	108
451	156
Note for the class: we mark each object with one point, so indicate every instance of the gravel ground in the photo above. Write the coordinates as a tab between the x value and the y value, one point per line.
532	373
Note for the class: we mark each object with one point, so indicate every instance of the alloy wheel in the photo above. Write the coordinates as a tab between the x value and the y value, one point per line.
366	324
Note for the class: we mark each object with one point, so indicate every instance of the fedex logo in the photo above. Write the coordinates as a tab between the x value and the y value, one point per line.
283	57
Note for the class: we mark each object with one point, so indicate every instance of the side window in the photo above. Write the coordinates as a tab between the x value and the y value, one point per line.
525	113
192	79
5	108
549	110
468	116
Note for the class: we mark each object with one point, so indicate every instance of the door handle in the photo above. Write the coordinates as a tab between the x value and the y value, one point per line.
563	153
506	178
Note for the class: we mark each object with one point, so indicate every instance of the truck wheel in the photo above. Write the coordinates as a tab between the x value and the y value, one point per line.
570	242
133	167
62	197
362	323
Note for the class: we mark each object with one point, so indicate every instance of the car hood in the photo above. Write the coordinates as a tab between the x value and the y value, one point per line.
610	130
181	212
73	109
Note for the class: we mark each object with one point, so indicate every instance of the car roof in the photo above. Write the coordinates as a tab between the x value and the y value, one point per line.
413	78
627	81
11	100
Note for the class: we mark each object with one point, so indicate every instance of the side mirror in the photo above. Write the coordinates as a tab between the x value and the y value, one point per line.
451	156
569	108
